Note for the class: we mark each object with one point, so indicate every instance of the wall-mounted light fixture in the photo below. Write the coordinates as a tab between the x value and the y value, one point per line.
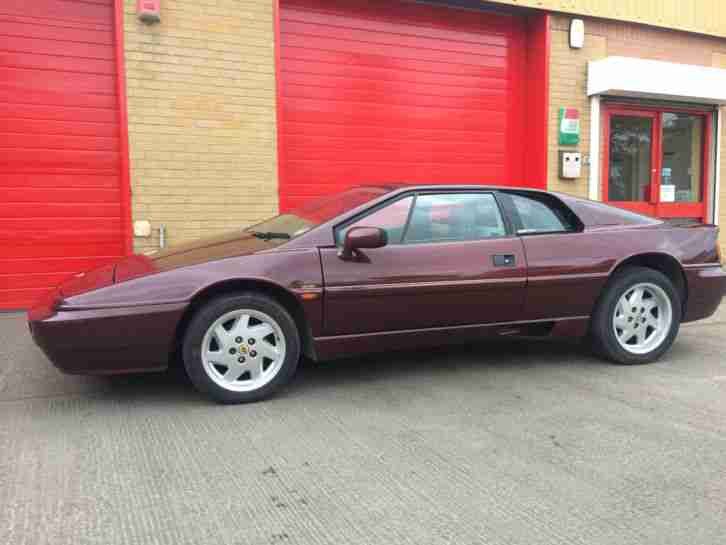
577	33
148	11
142	228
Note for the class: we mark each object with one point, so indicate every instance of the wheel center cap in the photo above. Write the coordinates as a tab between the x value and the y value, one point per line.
242	349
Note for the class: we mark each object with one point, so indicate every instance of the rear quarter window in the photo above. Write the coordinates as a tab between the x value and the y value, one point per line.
541	213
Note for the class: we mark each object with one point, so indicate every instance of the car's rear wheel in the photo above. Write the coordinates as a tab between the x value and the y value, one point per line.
241	348
638	317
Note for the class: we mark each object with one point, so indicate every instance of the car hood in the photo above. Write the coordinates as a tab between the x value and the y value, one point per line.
233	244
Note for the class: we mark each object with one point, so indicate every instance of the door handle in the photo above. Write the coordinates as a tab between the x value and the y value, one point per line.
504	260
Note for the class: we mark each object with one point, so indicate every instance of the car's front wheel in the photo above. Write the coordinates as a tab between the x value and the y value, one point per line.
241	348
638	316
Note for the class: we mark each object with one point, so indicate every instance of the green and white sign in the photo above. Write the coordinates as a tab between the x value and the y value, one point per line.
569	126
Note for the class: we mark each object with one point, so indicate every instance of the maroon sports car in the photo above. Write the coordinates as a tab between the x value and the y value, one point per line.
381	268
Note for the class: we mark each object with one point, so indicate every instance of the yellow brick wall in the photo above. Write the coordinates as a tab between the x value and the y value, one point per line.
568	87
568	80
201	106
699	16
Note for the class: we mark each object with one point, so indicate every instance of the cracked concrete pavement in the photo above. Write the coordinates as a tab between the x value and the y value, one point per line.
498	443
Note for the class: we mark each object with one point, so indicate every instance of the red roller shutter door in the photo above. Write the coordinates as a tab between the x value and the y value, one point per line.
60	155
376	91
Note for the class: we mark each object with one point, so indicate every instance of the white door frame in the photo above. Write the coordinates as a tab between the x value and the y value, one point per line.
593	188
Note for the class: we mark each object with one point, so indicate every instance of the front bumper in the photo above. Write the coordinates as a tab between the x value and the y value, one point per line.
107	340
706	289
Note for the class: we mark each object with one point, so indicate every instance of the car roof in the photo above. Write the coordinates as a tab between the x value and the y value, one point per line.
413	186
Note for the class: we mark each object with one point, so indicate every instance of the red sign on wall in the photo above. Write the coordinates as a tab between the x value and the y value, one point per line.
149	11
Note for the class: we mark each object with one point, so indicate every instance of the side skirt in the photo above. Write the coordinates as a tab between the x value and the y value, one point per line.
328	348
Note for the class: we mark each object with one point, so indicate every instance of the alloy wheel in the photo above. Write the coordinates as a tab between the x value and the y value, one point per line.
243	350
642	319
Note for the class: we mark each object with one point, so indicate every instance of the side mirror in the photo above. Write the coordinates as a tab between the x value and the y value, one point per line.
362	237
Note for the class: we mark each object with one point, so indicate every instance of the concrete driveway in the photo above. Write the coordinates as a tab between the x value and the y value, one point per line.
517	443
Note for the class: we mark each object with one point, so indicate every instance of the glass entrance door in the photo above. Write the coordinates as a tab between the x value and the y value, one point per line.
656	161
631	160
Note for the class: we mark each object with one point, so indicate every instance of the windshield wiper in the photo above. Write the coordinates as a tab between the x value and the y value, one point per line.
269	235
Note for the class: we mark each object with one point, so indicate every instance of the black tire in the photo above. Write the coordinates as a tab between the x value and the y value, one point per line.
602	333
211	312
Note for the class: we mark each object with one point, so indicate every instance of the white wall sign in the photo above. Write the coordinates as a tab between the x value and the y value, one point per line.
667	193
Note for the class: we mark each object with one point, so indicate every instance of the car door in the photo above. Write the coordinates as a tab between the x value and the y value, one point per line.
451	259
566	269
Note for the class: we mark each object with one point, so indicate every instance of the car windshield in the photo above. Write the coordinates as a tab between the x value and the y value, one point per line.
300	220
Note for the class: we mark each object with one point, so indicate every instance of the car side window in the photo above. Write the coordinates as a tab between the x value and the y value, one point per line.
451	217
391	218
538	217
